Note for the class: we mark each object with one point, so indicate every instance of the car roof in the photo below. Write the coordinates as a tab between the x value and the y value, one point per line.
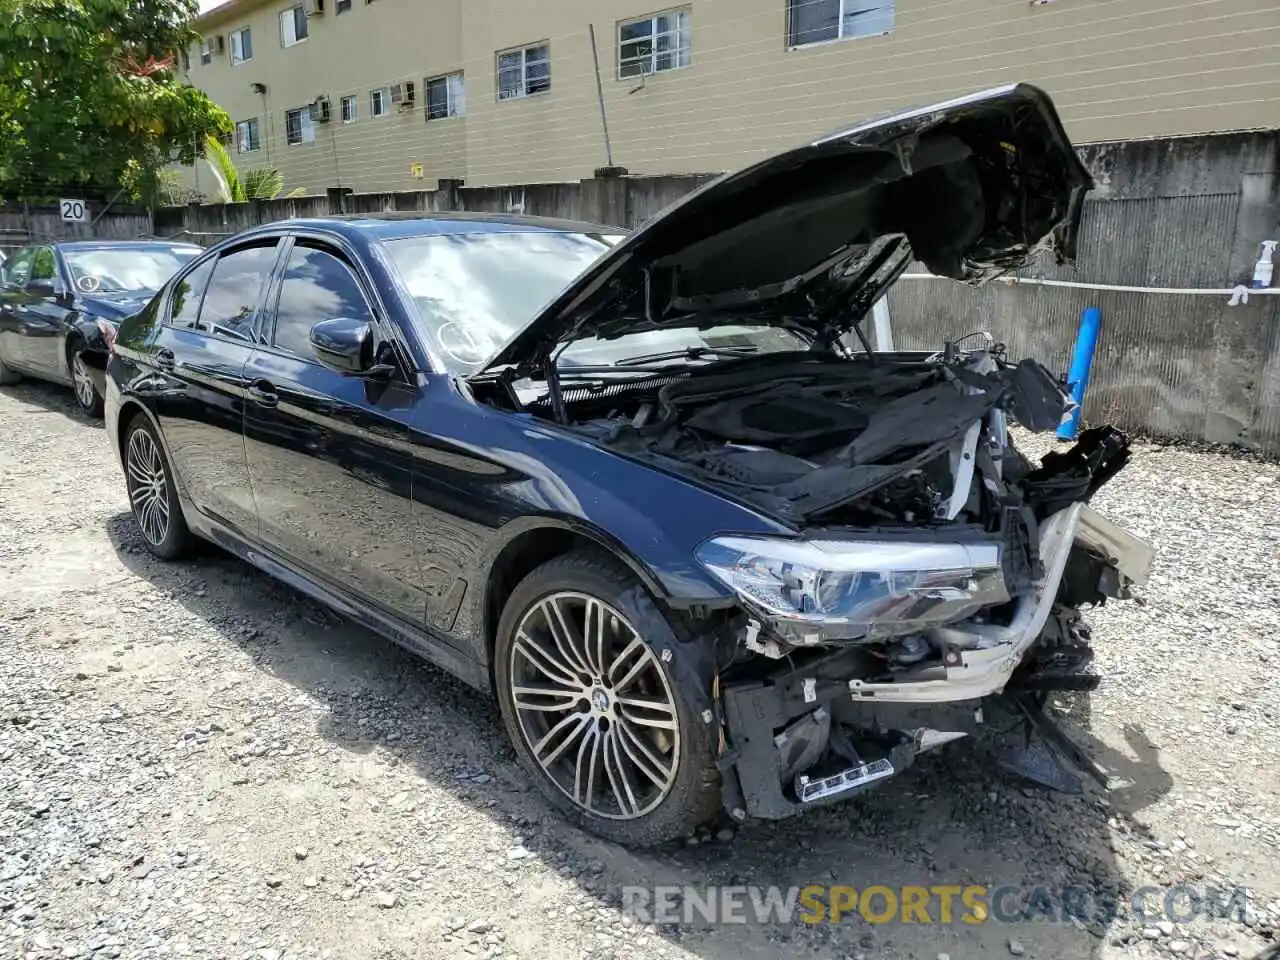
399	225
122	244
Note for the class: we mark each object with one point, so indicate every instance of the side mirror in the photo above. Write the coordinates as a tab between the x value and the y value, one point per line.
41	288
343	344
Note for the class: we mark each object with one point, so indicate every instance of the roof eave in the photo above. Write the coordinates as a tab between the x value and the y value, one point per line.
224	11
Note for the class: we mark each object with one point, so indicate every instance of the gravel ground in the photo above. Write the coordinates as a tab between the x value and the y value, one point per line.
196	762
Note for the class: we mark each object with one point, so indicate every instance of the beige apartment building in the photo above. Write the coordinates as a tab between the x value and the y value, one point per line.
381	95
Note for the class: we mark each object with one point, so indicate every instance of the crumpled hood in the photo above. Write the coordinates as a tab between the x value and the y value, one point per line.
113	309
811	238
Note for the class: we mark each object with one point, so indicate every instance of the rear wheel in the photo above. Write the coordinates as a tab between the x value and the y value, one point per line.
152	493
582	666
87	394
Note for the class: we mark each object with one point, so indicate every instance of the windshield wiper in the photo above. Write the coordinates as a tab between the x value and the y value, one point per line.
690	353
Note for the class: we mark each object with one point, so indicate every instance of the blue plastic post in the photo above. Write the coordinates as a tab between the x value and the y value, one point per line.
1081	362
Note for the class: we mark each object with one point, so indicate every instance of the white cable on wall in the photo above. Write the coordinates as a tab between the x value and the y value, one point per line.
1238	294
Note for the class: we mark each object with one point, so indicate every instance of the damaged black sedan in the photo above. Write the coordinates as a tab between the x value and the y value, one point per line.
712	553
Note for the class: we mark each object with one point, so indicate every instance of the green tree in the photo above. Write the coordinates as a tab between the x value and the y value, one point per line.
258	183
89	98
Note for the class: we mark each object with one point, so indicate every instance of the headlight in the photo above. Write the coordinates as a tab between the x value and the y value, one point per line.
815	590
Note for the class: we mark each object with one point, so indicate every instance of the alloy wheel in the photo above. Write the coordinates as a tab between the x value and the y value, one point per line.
594	706
86	393
148	487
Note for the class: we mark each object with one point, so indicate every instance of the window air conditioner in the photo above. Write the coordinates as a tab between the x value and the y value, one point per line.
402	93
319	110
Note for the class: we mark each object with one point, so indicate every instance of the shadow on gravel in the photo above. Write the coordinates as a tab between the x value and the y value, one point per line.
43	397
953	820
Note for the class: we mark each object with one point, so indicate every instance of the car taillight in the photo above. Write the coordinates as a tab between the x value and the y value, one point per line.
108	335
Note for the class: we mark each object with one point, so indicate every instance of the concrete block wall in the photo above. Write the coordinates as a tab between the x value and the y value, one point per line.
1179	213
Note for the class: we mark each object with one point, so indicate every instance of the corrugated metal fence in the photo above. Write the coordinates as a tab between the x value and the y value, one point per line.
1169	365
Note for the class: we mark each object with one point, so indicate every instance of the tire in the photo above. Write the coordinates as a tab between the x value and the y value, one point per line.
604	756
87	395
8	375
153	496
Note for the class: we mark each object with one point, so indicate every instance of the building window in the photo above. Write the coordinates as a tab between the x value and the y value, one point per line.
206	52
816	21
524	72
247	136
660	42
293	26
241	46
380	102
445	97
298	127
349	110
342	6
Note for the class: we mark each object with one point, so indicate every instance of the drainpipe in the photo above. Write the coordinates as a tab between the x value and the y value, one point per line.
1081	363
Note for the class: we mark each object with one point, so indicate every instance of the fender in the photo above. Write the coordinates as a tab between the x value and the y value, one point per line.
484	625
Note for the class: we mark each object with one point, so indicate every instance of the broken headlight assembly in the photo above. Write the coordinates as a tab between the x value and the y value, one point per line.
815	591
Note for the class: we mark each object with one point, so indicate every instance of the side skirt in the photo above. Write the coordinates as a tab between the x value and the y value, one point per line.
411	637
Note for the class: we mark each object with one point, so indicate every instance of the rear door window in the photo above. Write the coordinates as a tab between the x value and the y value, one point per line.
18	269
230	305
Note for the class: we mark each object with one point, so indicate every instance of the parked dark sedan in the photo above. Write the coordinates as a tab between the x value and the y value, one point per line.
707	554
59	301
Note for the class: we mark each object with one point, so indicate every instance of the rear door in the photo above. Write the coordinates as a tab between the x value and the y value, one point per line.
329	453
31	327
44	325
200	356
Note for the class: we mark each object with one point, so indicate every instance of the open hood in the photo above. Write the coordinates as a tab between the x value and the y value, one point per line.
811	238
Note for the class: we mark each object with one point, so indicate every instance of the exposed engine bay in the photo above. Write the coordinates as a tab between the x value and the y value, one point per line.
814	440
837	682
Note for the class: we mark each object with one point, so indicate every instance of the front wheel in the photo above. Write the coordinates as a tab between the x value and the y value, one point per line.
588	697
87	394
152	493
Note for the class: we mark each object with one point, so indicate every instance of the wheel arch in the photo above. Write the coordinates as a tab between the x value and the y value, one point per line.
536	541
72	341
130	409
81	334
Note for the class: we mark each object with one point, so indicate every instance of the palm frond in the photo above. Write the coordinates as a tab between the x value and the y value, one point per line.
230	189
262	183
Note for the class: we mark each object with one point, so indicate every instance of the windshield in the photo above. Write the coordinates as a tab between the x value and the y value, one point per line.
658	347
475	291
141	270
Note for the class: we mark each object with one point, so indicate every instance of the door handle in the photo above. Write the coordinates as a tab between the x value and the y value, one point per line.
165	359
263	393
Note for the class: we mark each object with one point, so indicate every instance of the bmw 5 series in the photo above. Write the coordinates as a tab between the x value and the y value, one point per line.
712	554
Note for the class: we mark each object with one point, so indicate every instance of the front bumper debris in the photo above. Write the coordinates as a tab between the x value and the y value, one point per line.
817	734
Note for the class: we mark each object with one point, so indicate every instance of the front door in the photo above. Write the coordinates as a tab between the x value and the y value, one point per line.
328	453
198	361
